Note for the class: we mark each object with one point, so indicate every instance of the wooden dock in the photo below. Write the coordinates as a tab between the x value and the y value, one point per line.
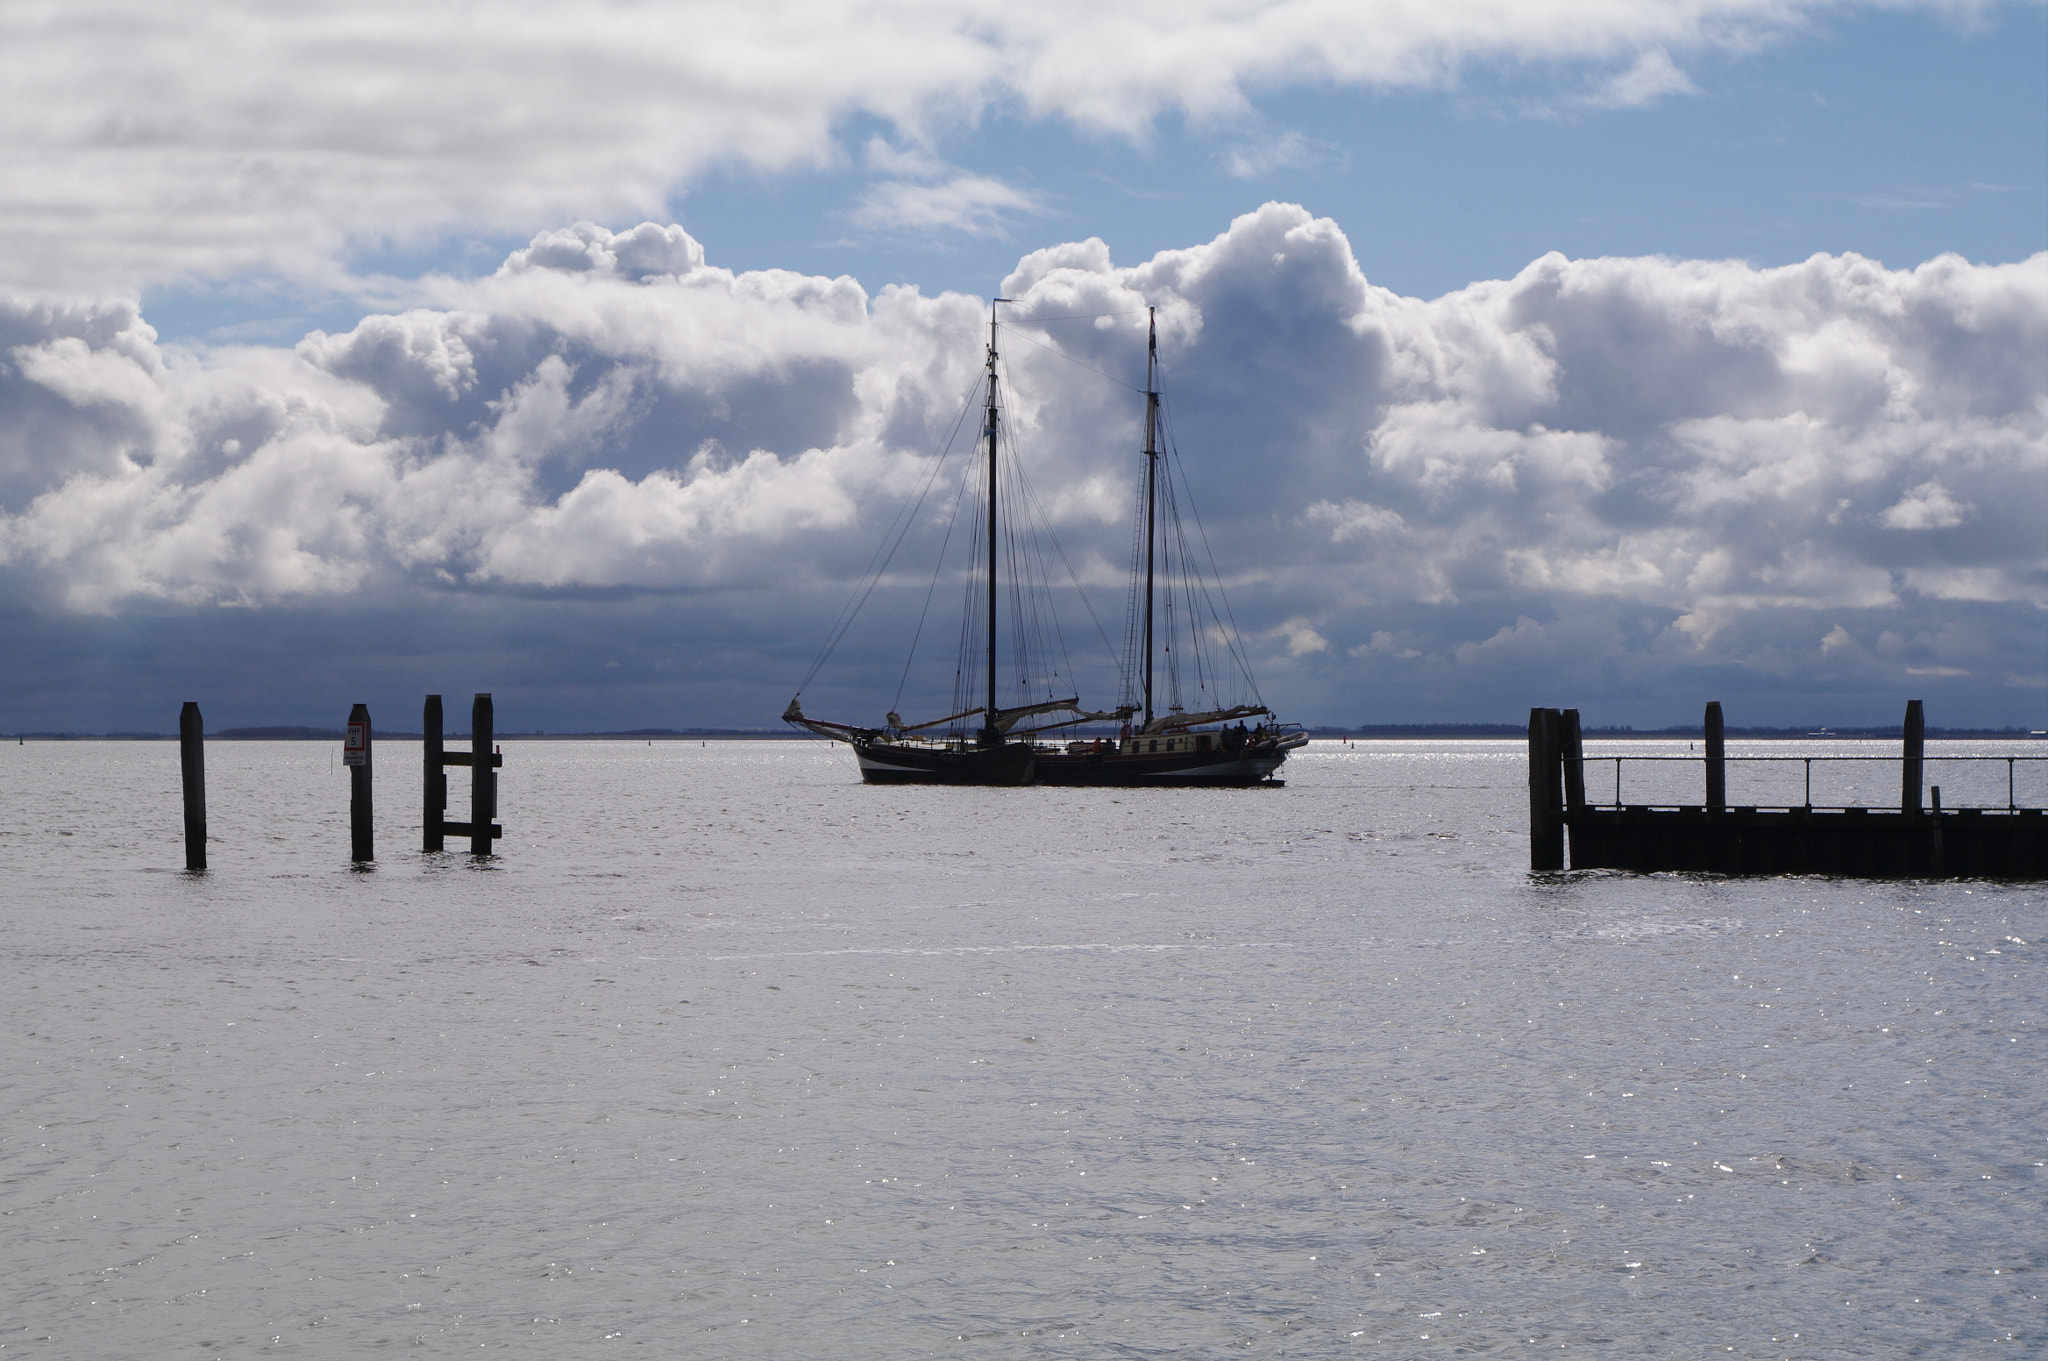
1916	840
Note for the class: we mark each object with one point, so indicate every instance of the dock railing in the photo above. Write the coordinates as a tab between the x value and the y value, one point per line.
1873	836
1807	762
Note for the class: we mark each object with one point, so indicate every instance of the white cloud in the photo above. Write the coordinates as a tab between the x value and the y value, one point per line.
1285	150
1675	463
976	205
1927	506
1301	637
141	142
1353	519
1401	645
921	195
1654	76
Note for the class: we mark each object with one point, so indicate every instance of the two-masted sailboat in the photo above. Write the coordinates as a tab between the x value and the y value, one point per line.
992	743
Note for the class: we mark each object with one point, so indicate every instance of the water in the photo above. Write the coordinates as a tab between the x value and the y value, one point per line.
728	1055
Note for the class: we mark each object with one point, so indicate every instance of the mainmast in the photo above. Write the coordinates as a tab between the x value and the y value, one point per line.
991	735
1151	480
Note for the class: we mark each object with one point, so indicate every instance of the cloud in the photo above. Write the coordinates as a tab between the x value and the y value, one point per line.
921	195
1302	639
974	205
241	137
1285	150
1608	472
1927	506
1654	76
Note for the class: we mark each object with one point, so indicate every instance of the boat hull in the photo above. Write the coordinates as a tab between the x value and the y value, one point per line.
882	762
1019	763
1189	769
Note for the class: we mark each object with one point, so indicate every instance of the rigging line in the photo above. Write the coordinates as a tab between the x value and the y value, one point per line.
1052	639
1107	378
938	569
1020	643
899	529
1133	638
1037	518
968	658
1192	589
1026	588
1039	656
1236	639
1232	642
1040	517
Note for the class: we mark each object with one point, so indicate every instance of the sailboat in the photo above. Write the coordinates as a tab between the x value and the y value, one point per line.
992	743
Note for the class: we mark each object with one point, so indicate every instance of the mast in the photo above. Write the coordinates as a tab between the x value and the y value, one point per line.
1151	483
990	735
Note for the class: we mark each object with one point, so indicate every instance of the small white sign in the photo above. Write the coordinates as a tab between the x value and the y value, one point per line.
355	748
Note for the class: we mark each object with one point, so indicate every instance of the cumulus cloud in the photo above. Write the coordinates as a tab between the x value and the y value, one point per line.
1927	506
1613	470
275	136
1301	638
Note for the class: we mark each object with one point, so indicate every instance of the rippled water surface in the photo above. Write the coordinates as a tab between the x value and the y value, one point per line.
729	1055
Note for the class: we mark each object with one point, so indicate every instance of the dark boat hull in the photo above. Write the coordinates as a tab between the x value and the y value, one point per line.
1186	769
1019	763
882	762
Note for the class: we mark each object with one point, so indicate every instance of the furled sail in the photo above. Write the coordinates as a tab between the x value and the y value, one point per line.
1008	717
897	725
1179	720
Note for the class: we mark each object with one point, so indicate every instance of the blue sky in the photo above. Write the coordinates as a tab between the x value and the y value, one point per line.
1600	354
1896	135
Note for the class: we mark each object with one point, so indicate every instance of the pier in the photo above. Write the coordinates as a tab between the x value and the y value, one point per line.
1916	839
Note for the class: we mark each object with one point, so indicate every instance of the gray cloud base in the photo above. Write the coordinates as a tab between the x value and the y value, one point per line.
1624	483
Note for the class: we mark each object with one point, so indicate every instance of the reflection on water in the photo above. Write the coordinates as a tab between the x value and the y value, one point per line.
730	1055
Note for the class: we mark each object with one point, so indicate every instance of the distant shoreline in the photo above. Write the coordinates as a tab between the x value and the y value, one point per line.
1373	732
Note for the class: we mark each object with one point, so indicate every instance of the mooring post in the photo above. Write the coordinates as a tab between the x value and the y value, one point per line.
483	779
431	751
355	754
1717	760
1546	804
1914	758
1573	752
192	765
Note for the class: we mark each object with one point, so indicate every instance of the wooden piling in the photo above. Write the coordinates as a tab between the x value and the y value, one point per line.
192	766
483	777
355	754
1913	763
1717	760
1546	803
436	793
1572	750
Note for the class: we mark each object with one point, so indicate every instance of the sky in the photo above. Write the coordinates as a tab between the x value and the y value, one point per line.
1573	352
